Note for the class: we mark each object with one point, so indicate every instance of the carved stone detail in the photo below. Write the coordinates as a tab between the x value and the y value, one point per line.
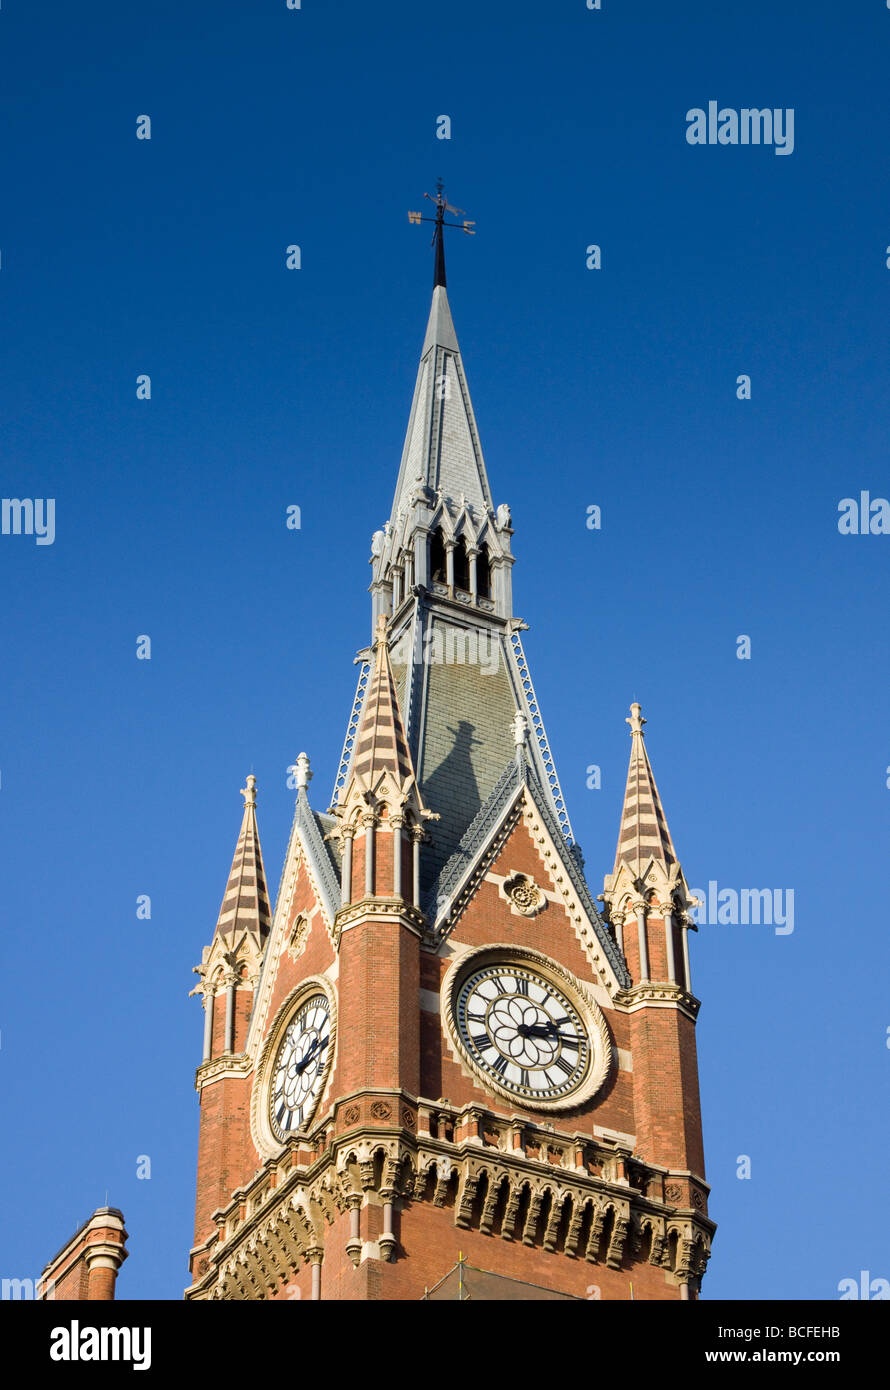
526	899
277	1223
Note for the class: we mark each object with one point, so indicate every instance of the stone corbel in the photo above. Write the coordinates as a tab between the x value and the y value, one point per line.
615	1252
467	1198
507	1230
531	1220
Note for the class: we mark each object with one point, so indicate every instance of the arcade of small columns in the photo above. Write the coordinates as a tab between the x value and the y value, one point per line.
640	911
235	976
400	827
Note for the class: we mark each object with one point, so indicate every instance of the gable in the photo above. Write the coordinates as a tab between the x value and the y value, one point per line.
520	900
516	833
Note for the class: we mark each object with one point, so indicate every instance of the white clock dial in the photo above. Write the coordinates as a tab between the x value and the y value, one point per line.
523	1032
300	1066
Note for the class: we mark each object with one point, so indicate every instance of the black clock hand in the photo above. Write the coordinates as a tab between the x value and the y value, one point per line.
316	1046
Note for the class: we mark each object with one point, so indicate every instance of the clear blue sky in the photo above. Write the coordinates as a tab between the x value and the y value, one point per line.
616	387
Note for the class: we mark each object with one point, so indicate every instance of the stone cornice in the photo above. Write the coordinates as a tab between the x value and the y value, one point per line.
436	599
229	1064
653	994
388	909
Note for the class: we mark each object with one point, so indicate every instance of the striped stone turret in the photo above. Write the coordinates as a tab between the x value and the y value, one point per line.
381	795
646	893
644	833
648	901
381	744
245	904
230	965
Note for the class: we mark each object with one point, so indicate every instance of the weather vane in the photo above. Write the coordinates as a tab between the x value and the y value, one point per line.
438	239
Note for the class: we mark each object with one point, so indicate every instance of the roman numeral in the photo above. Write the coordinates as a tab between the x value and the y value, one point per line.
521	985
480	1040
499	1065
523	1077
565	1067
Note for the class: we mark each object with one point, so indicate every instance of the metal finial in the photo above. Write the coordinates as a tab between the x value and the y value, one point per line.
636	720
438	240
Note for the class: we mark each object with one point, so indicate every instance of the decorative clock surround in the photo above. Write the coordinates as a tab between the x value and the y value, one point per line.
295	1064
526	899
526	1027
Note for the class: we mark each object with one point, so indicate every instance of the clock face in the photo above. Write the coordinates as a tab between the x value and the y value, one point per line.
300	1066
522	1032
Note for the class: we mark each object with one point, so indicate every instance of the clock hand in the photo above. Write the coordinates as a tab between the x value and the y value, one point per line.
316	1046
301	1066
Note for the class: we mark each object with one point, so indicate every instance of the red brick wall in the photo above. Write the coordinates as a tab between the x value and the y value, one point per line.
378	1024
74	1282
666	1089
317	956
226	1154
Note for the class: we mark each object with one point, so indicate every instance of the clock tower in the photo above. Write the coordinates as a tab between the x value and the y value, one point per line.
437	1069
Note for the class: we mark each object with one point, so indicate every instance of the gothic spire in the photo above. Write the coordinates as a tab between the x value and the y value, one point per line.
442	575
644	833
380	744
442	451
245	904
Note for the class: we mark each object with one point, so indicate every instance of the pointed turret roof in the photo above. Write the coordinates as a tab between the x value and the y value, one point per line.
245	904
644	835
442	449
381	745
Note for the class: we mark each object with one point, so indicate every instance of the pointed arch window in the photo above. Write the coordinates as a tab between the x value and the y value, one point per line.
483	573
461	566
438	569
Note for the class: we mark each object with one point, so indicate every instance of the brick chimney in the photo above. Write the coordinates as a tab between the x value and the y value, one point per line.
86	1266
